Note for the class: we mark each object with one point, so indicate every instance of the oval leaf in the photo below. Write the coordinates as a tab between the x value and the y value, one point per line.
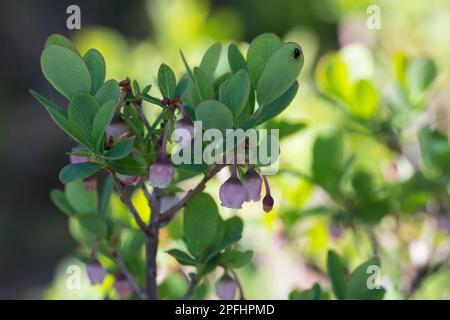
82	111
127	166
97	68
120	150
280	73
101	121
259	52
201	221
235	92
65	70
214	114
211	59
166	81
204	85
77	171
235	59
59	40
108	91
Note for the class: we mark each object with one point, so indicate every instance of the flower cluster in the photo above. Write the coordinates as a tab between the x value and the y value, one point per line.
234	192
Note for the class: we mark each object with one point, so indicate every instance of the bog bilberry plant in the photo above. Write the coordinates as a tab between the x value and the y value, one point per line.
117	144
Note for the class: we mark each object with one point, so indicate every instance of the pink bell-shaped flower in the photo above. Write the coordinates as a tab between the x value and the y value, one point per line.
232	192
252	182
128	180
161	172
95	272
226	287
122	286
115	129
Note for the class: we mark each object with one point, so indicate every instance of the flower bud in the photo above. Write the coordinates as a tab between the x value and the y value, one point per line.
184	130
335	231
90	183
128	180
122	286
165	101
77	159
233	193
226	287
95	272
267	200
268	203
161	173
252	182
116	128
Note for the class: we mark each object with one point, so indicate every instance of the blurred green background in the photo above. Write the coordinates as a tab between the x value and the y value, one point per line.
291	242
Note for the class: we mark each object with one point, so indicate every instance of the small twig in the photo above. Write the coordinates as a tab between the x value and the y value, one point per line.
138	107
166	216
151	245
241	291
141	294
190	290
423	273
127	201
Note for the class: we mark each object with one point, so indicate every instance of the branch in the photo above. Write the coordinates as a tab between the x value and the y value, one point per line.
190	290
166	216
241	291
127	201
141	294
138	107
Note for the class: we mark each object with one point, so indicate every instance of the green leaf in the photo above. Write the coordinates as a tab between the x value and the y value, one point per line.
327	160
182	257
236	259
166	81
361	279
285	128
59	116
366	100
235	92
435	151
372	210
59	40
65	70
107	190
127	166
337	275
259	52
77	171
201	221
233	230
94	224
120	150
235	59
60	201
279	74
204	85
312	294
214	114
82	111
101	121
362	185
210	60
420	74
131	117
97	68
181	86
273	109
80	199
108	91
